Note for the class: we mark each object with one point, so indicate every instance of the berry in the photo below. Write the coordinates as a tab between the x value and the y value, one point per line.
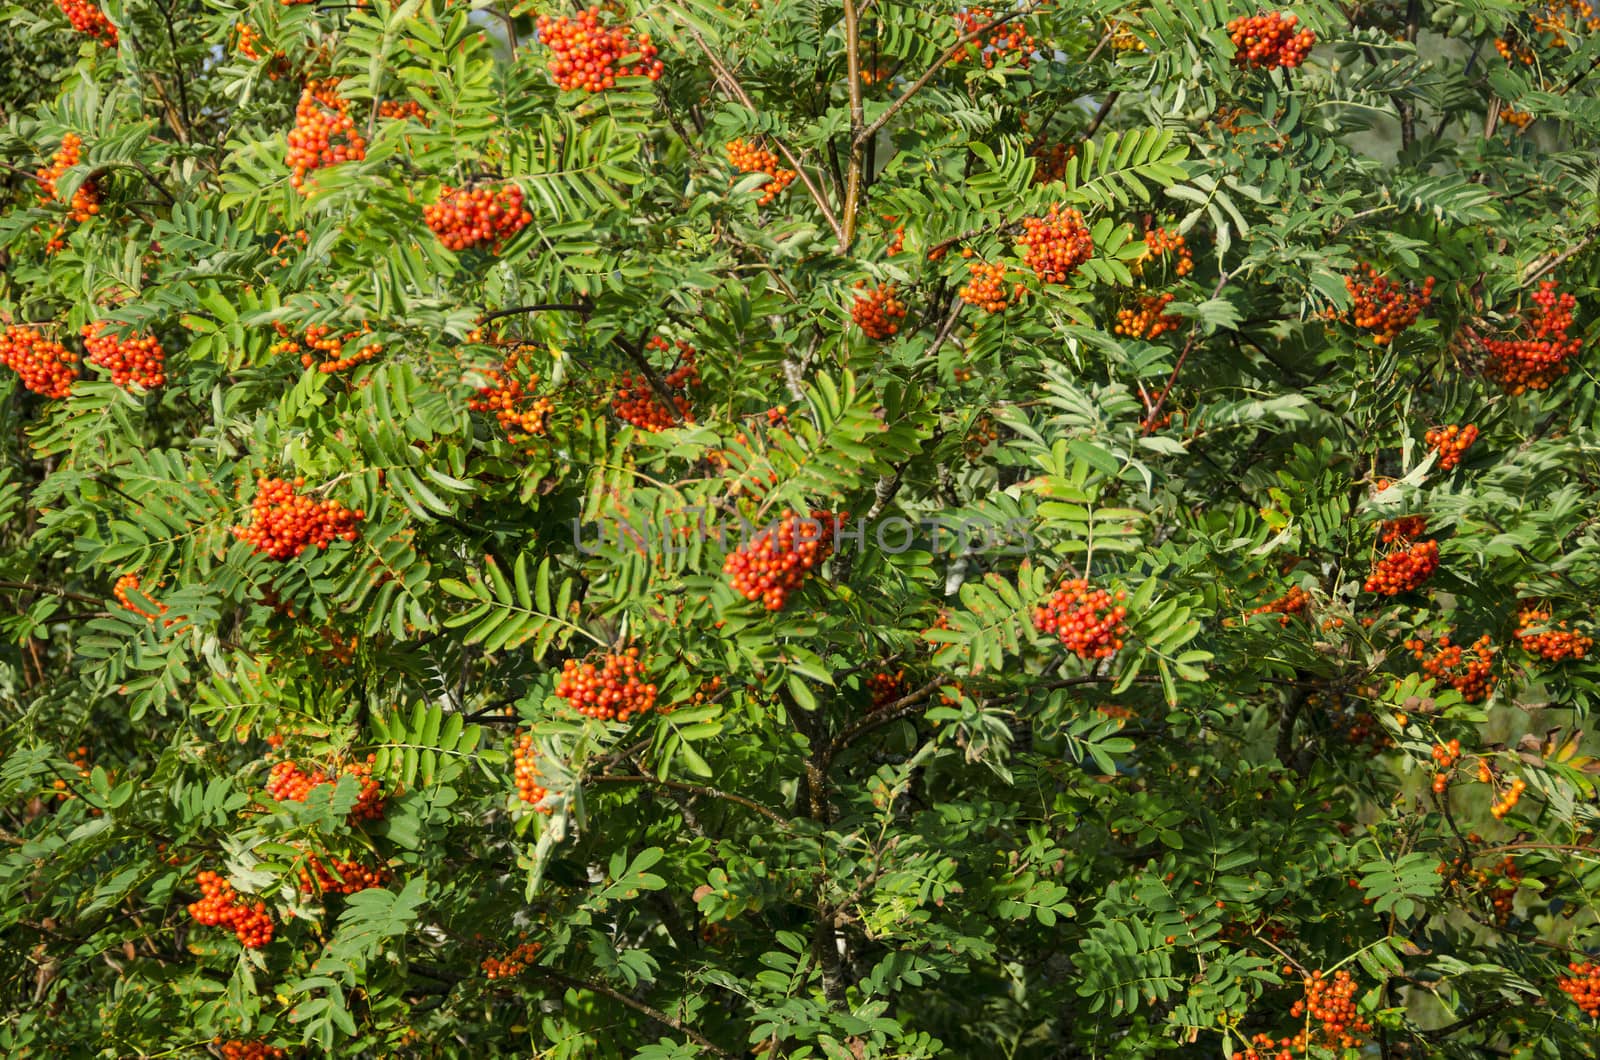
637	402
1158	244
401	109
219	905
879	312
1382	306
1583	986
1269	40
248	1050
1404	570
284	523
512	963
987	289
1470	675
584	53
46	367
527	775
1147	321
1088	622
337	876
324	134
464	218
1451	442
85	201
1293	602
287	782
137	360
522	415
885	687
612	690
89	20
1405	529
1536	362
1055	245
748	158
1008	39
1331	1003
776	561
1552	643
120	591
319	340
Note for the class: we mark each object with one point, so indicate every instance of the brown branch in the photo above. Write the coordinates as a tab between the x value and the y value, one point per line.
1539	269
1100	115
29	587
542	307
731	84
852	184
1194	334
638	1006
695	789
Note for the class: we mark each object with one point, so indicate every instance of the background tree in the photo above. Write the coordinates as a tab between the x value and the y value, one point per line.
851	529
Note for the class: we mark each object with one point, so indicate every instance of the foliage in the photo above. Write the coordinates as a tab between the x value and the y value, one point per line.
1078	733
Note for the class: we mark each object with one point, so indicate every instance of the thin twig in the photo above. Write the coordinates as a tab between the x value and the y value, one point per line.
695	789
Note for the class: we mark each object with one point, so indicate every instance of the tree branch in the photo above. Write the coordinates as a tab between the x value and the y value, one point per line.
695	789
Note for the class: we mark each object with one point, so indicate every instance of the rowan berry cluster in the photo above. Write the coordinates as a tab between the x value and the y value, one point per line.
776	561
1159	243
1123	38
1331	1003
1269	40
287	782
748	158
1147	320
991	42
399	109
120	591
513	963
1552	643
879	311
248	1050
616	689
89	20
1536	362
522	415
45	366
1445	756
338	876
1382	306
321	348
464	218
1293	602
1050	161
86	200
1264	1047
220	905
1516	119
1469	671
1087	621
284	523
1403	530
80	761
138	360
885	687
248	44
1583	986
636	402
584	53
986	288
1404	570
1451	441
897	241
1548	25
1506	800
1055	245
527	775
324	133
